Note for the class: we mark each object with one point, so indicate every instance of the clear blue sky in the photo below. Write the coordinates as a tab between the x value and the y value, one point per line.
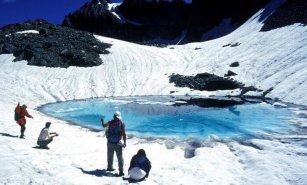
54	11
13	11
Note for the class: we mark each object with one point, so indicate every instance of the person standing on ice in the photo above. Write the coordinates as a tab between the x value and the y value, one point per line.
20	117
115	134
45	137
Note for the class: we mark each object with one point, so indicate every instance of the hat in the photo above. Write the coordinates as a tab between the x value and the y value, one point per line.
24	106
48	124
118	115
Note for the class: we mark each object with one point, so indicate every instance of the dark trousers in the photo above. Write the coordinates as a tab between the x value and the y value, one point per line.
44	143
22	130
119	153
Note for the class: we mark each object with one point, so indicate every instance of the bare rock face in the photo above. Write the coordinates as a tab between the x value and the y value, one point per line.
234	64
205	81
293	11
209	102
166	21
51	46
230	73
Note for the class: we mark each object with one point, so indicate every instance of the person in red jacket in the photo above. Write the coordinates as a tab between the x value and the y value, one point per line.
20	117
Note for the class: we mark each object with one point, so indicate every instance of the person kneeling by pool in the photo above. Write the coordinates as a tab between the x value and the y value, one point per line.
139	167
45	137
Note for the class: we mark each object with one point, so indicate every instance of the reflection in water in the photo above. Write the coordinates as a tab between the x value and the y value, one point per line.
233	109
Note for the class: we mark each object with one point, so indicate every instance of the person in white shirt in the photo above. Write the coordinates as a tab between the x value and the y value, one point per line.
45	137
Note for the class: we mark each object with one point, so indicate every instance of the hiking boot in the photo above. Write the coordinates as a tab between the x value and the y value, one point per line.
44	147
21	136
110	169
121	174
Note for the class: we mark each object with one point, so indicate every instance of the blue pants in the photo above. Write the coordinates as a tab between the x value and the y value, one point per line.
119	153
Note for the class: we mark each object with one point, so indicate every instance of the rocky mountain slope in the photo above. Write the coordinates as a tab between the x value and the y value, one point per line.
291	12
139	21
44	44
163	21
232	61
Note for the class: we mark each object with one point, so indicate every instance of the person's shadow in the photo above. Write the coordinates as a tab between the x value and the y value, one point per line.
132	180
105	173
7	135
98	172
39	147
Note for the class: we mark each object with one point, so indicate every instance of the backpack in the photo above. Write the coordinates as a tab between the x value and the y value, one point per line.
114	131
17	114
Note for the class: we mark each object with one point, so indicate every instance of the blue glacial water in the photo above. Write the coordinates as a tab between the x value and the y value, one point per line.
158	117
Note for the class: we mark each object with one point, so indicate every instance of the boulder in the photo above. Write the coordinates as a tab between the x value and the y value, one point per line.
234	64
230	73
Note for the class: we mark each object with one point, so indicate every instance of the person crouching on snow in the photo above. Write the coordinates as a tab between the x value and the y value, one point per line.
45	137
20	117
139	167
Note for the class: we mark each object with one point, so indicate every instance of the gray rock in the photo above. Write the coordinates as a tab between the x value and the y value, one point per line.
235	64
205	81
230	73
54	46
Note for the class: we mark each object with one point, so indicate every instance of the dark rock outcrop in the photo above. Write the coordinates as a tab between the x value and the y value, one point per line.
52	46
168	21
209	102
267	92
95	17
247	89
293	11
235	44
230	73
205	81
234	64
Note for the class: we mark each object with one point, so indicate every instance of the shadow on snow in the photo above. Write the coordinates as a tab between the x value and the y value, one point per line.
98	172
8	135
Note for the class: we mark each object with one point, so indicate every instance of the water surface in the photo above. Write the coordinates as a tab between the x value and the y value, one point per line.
158	117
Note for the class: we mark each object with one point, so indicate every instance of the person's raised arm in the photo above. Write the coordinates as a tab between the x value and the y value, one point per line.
103	123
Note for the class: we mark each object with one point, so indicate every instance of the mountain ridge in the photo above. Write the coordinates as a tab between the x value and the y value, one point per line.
163	20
